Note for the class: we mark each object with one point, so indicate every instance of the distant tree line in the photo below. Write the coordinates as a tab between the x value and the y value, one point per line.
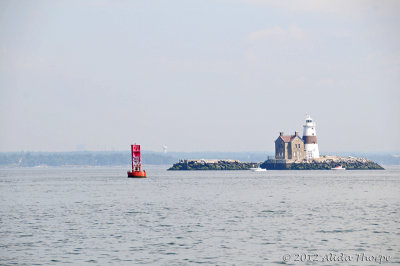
108	158
79	158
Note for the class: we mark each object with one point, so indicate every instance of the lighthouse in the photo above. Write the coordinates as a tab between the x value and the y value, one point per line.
310	139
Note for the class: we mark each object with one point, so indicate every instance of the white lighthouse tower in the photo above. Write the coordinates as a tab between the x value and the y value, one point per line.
310	139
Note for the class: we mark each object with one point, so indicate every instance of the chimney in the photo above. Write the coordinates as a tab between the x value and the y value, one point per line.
296	133
281	134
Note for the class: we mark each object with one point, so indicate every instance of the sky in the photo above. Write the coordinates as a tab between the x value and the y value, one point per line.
198	75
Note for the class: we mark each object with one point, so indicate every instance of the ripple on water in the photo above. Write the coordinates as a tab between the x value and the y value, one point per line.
97	216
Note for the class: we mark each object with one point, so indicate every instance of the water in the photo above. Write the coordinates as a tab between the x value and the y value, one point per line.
98	215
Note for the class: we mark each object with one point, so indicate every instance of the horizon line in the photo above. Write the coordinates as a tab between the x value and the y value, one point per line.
267	152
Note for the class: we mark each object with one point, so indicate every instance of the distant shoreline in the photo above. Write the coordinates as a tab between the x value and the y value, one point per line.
113	158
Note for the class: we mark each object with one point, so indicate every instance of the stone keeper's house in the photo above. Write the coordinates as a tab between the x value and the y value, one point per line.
289	147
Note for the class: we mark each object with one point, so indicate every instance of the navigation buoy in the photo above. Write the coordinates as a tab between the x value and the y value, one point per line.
137	170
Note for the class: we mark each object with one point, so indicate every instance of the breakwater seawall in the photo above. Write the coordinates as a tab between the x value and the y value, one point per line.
322	163
204	164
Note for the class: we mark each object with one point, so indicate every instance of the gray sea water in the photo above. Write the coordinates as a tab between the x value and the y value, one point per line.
99	216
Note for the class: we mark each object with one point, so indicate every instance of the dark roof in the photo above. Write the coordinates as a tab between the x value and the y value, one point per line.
288	138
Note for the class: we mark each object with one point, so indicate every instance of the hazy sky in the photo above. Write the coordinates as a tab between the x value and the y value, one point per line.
198	75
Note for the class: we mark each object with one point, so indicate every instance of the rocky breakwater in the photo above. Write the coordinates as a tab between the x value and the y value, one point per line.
212	165
322	163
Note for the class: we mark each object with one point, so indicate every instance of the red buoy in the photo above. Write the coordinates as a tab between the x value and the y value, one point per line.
137	170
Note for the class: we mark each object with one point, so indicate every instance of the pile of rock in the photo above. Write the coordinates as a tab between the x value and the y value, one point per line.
323	163
211	165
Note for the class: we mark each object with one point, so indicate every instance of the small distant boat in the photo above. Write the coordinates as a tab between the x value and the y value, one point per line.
258	169
339	167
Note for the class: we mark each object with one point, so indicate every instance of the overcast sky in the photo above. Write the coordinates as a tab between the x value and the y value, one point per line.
198	75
